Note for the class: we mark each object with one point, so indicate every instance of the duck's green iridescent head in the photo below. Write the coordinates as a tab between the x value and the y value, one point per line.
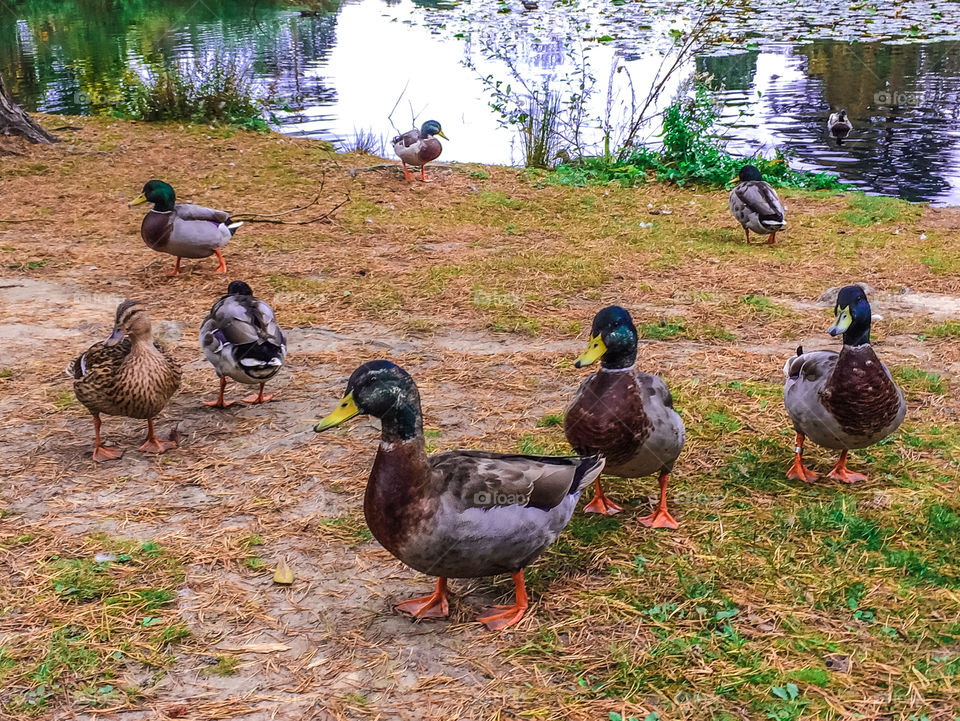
432	127
852	313
386	391
158	193
613	340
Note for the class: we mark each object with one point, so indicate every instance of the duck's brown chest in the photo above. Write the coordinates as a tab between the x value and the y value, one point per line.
395	505
156	228
860	394
607	416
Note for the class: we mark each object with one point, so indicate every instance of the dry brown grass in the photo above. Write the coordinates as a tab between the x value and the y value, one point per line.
483	285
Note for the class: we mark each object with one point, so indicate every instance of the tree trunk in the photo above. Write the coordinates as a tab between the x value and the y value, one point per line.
13	121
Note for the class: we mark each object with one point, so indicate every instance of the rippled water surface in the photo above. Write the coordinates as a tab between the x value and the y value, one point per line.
778	67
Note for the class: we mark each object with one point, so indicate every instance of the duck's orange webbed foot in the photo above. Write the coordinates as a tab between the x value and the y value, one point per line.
222	268
176	267
100	451
772	238
600	503
841	473
257	397
154	444
498	618
423	176
220	402
660	518
406	173
435	605
798	471
105	453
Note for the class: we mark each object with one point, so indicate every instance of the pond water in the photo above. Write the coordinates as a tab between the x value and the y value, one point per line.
367	67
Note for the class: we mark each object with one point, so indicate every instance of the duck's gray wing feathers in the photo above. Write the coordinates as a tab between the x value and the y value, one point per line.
186	211
806	374
411	137
477	479
245	319
756	206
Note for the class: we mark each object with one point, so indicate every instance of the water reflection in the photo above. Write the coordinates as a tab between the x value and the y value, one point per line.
901	98
342	71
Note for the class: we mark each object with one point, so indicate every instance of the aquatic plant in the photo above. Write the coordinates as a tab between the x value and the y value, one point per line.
217	88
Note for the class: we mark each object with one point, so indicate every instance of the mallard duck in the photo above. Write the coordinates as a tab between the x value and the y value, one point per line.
841	400
241	339
755	205
839	125
623	414
181	229
460	514
126	375
419	147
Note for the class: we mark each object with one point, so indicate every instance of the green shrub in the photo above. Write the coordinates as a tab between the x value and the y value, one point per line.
217	89
690	154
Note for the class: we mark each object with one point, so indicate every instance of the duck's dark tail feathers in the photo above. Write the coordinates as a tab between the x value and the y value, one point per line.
799	350
587	472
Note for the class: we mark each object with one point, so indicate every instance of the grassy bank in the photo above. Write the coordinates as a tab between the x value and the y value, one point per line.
146	583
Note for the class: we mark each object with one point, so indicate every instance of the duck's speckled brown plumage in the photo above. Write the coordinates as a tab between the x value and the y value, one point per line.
134	378
594	424
628	417
860	394
843	400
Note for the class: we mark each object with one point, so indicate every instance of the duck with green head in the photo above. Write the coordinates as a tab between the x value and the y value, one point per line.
419	147
623	414
181	229
841	400
459	514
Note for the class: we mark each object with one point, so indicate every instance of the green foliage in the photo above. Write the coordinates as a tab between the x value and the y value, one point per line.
78	579
947	329
219	89
225	666
690	154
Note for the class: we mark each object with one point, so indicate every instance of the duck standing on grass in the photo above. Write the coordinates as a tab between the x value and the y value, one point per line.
419	147
623	414
241	339
842	400
839	126
182	229
126	375
459	514
755	204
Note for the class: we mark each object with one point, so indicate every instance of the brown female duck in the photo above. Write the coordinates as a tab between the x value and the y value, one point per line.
460	514
126	375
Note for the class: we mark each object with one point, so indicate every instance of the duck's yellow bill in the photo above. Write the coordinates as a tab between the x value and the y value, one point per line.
844	319
593	353
440	133
140	199
345	410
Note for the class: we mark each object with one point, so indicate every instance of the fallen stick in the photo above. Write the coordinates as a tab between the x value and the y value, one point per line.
276	221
